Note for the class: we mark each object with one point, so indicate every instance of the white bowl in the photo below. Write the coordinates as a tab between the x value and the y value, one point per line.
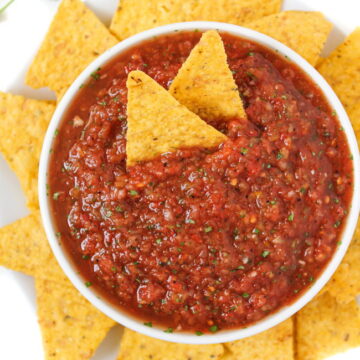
225	335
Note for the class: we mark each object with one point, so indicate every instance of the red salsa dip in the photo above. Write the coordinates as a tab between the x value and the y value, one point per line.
202	240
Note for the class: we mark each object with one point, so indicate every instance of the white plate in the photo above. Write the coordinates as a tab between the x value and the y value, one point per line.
22	28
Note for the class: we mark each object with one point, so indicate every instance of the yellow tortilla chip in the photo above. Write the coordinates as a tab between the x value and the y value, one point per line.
342	70
23	123
344	286
128	20
303	31
24	247
135	346
75	38
325	327
157	123
354	115
71	327
273	344
204	83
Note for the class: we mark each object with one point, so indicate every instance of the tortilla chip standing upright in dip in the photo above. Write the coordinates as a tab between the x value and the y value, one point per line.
157	123
204	83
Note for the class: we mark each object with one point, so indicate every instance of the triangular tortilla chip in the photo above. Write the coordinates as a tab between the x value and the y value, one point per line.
157	123
345	284
204	83
22	129
135	346
24	247
325	328
303	31
273	344
75	38
128	20
71	327
342	70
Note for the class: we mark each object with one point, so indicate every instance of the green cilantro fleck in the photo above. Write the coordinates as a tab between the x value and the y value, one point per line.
256	231
244	151
213	328
169	330
119	209
133	193
291	217
86	257
279	155
273	202
199	333
56	196
190	221
88	284
149	324
208	229
158	241
265	253
337	224
245	295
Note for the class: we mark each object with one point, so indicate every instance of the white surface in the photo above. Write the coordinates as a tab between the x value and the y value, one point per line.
22	28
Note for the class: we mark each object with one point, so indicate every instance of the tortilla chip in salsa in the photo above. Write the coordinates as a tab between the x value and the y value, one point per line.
303	31
135	346
204	83
75	38
157	123
22	128
324	328
71	327
128	20
274	344
342	70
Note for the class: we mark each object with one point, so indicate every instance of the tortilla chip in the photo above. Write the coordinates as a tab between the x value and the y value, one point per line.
157	123
303	31
24	247
273	344
344	286
75	38
342	70
354	115
71	327
128	20
325	327
204	83
135	346
23	123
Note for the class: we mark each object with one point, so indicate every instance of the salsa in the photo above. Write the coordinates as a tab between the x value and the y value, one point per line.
202	240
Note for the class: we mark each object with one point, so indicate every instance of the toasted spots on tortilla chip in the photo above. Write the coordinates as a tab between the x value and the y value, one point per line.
75	38
344	286
303	31
273	344
157	123
135	346
342	70
324	328
71	327
128	20
22	128
24	247
204	83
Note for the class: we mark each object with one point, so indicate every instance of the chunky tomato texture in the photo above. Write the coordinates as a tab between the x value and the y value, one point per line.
203	239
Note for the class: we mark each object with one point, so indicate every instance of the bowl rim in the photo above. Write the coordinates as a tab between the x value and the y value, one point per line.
122	317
